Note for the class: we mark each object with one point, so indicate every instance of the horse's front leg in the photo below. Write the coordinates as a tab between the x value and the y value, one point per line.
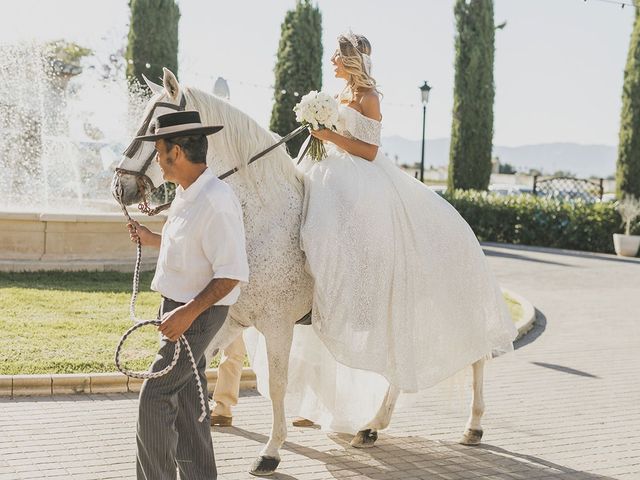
278	350
367	437
473	432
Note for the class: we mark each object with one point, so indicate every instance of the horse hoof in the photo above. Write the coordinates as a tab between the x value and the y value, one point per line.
365	439
264	466
471	437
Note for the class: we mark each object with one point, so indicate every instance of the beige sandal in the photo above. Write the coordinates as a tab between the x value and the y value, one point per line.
221	421
302	422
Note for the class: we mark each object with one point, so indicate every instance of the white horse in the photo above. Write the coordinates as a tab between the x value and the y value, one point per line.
280	291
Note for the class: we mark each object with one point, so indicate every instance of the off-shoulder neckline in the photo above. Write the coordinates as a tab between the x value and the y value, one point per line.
346	105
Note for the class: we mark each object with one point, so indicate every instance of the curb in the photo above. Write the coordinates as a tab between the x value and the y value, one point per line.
96	383
528	313
93	383
147	265
561	251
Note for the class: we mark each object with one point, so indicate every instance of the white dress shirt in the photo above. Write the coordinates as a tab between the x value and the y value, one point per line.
202	239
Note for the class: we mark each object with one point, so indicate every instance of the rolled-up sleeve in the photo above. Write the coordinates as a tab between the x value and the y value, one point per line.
223	243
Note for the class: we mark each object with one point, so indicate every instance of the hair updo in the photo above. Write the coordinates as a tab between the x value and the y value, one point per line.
356	62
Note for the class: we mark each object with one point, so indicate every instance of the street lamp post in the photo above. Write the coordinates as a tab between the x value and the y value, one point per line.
424	95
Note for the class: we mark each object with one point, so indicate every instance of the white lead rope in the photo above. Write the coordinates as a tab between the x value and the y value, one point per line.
140	323
176	354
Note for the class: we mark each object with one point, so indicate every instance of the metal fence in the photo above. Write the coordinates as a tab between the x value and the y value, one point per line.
568	188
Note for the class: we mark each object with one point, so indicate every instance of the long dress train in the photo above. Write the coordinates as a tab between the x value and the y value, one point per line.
403	293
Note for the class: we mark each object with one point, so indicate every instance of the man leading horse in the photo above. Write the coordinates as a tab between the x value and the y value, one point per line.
201	263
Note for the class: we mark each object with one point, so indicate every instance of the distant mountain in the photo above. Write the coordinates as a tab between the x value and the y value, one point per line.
408	151
582	160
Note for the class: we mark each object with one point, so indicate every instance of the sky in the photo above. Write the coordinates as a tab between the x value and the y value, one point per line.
559	64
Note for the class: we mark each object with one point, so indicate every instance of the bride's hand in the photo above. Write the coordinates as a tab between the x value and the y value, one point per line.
323	134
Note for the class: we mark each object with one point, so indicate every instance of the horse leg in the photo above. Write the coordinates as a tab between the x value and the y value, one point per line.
228	333
278	350
367	437
473	432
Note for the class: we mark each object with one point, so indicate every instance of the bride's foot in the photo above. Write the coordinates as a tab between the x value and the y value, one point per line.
302	422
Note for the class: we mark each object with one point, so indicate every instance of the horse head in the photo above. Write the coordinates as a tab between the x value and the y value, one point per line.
138	174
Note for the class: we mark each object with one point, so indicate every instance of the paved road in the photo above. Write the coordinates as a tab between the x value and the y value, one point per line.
565	405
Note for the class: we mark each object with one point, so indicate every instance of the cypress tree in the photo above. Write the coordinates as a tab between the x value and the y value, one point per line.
628	165
153	39
472	125
298	67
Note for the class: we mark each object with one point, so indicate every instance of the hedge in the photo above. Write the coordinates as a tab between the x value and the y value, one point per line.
537	221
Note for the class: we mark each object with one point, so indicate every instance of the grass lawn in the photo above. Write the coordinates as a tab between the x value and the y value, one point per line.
71	322
515	309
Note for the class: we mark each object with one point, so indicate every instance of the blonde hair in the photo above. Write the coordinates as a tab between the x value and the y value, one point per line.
354	64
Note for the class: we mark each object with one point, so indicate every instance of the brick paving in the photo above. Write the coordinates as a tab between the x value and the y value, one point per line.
565	405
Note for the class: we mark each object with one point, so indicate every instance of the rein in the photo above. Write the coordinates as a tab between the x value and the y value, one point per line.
258	156
144	206
144	182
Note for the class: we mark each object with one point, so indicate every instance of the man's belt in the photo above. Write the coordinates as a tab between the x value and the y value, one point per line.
172	300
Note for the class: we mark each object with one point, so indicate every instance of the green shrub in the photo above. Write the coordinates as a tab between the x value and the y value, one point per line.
536	221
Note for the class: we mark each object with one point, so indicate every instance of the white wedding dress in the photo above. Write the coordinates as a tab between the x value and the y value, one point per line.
403	293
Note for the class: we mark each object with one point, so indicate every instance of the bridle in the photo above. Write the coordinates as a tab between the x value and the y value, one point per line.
143	181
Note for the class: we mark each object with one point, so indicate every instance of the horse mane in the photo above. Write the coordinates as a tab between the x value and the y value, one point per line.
240	139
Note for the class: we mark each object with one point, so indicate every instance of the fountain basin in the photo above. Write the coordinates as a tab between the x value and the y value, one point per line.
31	241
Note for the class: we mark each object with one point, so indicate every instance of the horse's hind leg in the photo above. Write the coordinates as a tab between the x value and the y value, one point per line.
278	349
473	432
228	333
367	437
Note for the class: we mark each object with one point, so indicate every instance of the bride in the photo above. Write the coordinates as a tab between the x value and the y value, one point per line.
403	294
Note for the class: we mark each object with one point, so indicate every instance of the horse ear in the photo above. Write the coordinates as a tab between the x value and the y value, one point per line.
170	82
155	88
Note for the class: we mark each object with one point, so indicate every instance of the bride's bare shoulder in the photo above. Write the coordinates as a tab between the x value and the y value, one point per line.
370	105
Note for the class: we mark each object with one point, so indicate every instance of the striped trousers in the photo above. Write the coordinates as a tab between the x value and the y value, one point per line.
169	435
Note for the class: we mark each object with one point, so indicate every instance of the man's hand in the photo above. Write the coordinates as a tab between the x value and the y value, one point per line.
146	236
176	322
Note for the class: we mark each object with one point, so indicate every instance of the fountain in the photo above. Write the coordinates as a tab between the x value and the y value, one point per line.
63	123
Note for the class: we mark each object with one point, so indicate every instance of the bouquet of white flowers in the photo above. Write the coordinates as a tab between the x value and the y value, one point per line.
318	110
